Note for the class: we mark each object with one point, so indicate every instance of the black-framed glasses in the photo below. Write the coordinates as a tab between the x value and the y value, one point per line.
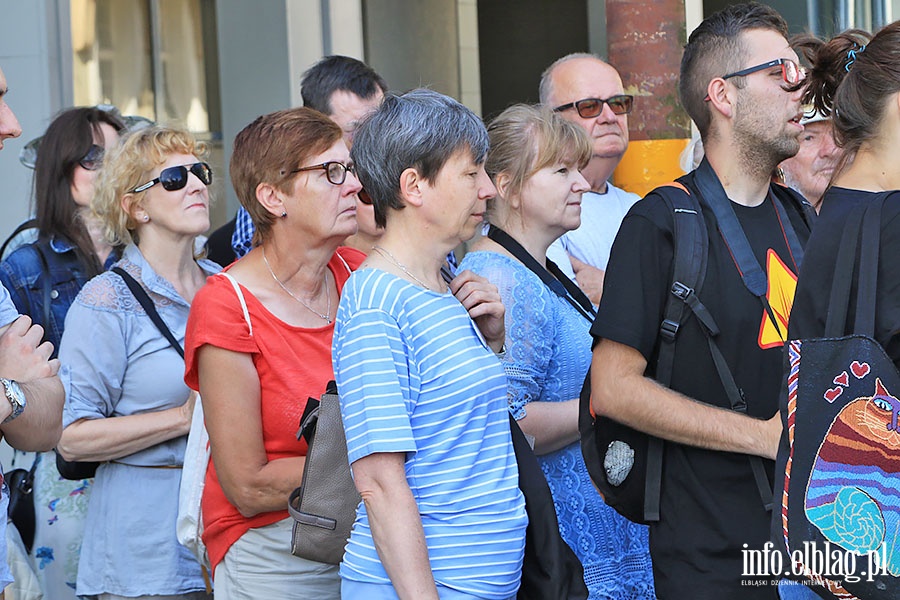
791	72
591	107
175	178
93	160
364	197
335	171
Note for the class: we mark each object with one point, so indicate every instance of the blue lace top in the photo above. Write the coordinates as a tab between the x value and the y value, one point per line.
548	353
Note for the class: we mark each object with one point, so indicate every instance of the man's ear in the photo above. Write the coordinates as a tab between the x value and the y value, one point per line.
270	198
720	97
412	187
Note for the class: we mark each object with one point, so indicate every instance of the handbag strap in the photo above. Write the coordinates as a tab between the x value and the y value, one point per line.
141	295
552	276
243	301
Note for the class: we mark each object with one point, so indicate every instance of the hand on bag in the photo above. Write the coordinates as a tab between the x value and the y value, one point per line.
589	279
187	410
481	298
22	355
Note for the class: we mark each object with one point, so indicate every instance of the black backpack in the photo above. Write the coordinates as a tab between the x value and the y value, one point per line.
626	464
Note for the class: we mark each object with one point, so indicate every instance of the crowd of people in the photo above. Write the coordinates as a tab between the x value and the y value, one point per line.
341	264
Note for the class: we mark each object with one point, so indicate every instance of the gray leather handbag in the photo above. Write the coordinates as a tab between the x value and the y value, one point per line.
324	506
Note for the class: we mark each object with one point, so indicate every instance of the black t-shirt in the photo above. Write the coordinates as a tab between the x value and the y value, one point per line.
710	505
817	272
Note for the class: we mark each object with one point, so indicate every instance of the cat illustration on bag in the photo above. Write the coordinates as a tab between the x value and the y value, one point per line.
853	494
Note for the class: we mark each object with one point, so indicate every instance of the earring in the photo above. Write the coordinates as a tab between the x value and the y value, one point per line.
283	214
146	218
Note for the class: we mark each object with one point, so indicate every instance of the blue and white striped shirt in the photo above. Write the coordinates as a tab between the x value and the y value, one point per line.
415	376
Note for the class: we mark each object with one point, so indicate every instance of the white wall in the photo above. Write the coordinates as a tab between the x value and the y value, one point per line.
31	60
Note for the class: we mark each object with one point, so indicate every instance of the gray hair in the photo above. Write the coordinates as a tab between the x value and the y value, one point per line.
546	88
421	130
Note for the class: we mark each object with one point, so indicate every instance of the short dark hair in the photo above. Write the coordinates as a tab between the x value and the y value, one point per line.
421	129
715	48
338	73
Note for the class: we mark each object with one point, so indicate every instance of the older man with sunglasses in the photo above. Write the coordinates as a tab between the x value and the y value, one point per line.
588	92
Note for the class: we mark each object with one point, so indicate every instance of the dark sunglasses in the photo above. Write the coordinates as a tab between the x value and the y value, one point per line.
591	107
93	160
335	172
364	197
175	178
791	72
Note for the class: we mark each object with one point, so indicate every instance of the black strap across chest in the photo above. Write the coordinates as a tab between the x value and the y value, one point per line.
713	195
551	275
141	295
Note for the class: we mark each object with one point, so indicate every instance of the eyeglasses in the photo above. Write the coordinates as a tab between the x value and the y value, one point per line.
175	178
591	107
93	160
364	197
791	72
335	172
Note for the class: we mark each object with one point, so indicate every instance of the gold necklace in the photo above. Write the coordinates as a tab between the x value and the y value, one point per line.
326	317
385	253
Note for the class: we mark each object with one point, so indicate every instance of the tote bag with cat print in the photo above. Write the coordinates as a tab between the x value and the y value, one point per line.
839	520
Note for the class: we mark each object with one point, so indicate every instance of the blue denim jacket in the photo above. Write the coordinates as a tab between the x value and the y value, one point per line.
22	274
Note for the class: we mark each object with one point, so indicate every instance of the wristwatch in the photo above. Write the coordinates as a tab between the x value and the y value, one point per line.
16	398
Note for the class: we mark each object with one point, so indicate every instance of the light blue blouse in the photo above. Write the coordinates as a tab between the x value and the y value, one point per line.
115	362
548	353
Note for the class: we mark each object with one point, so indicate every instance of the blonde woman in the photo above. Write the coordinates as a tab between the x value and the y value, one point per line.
126	402
534	161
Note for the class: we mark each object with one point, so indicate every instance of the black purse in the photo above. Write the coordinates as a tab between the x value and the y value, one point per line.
21	502
77	470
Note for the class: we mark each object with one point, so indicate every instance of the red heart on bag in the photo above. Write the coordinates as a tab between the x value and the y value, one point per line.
859	369
832	394
842	379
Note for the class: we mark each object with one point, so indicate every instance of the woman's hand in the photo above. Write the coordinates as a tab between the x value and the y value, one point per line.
187	410
482	300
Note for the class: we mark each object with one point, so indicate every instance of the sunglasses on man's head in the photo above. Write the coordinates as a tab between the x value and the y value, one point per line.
175	178
93	160
591	107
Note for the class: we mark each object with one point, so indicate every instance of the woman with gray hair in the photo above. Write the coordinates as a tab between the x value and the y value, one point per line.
423	395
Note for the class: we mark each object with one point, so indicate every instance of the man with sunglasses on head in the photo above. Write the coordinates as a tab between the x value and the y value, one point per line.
740	84
32	395
588	92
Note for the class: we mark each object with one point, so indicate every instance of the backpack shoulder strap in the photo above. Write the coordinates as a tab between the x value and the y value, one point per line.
691	241
791	197
24	226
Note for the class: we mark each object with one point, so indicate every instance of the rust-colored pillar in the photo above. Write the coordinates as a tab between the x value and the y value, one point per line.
645	39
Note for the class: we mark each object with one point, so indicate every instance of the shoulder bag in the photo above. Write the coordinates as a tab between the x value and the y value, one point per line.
840	453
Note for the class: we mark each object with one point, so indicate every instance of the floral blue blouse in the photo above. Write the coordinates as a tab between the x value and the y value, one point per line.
548	353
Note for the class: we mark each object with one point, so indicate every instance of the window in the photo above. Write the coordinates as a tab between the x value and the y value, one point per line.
153	58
